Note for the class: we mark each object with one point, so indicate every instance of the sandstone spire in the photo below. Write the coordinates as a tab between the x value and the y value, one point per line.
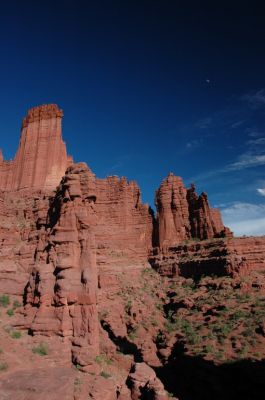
41	159
183	215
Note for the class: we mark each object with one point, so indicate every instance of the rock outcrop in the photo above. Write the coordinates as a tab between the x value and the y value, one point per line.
62	292
41	159
183	215
220	257
124	229
145	384
173	212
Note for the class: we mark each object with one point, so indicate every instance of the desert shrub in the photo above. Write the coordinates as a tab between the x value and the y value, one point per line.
4	300
105	375
239	314
3	366
15	335
10	312
103	359
41	349
208	349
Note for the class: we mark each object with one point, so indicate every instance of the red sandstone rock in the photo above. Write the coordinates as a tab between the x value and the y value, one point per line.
124	229
41	159
183	215
60	240
205	222
144	382
64	280
173	212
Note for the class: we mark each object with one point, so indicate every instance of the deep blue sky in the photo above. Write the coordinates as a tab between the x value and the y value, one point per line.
147	88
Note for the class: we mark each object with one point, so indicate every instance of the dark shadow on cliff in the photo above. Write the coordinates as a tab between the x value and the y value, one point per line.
155	229
190	378
122	343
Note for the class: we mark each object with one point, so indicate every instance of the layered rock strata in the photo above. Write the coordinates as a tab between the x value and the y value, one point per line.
41	159
220	257
124	228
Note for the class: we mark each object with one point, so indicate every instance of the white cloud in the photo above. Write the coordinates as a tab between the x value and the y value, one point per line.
246	160
236	124
261	191
255	99
244	218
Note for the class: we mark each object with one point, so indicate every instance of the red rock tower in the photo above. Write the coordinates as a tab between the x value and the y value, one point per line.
41	159
173	211
183	215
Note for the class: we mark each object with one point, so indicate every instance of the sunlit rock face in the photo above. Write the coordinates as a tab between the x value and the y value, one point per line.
183	215
61	295
41	159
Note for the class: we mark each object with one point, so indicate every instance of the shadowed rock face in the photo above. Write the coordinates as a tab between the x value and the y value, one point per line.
41	159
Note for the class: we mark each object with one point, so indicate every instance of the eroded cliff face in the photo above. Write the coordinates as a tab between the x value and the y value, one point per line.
41	159
183	215
125	224
61	296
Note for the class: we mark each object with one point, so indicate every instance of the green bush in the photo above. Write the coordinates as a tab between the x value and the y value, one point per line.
10	312
105	375
15	335
41	349
4	300
103	359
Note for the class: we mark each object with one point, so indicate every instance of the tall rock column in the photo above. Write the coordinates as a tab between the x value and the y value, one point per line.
64	282
41	159
205	222
173	212
182	214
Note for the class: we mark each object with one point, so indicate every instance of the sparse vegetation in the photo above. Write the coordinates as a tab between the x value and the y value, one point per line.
77	384
3	366
41	349
15	334
103	359
4	300
133	333
10	312
105	374
16	304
